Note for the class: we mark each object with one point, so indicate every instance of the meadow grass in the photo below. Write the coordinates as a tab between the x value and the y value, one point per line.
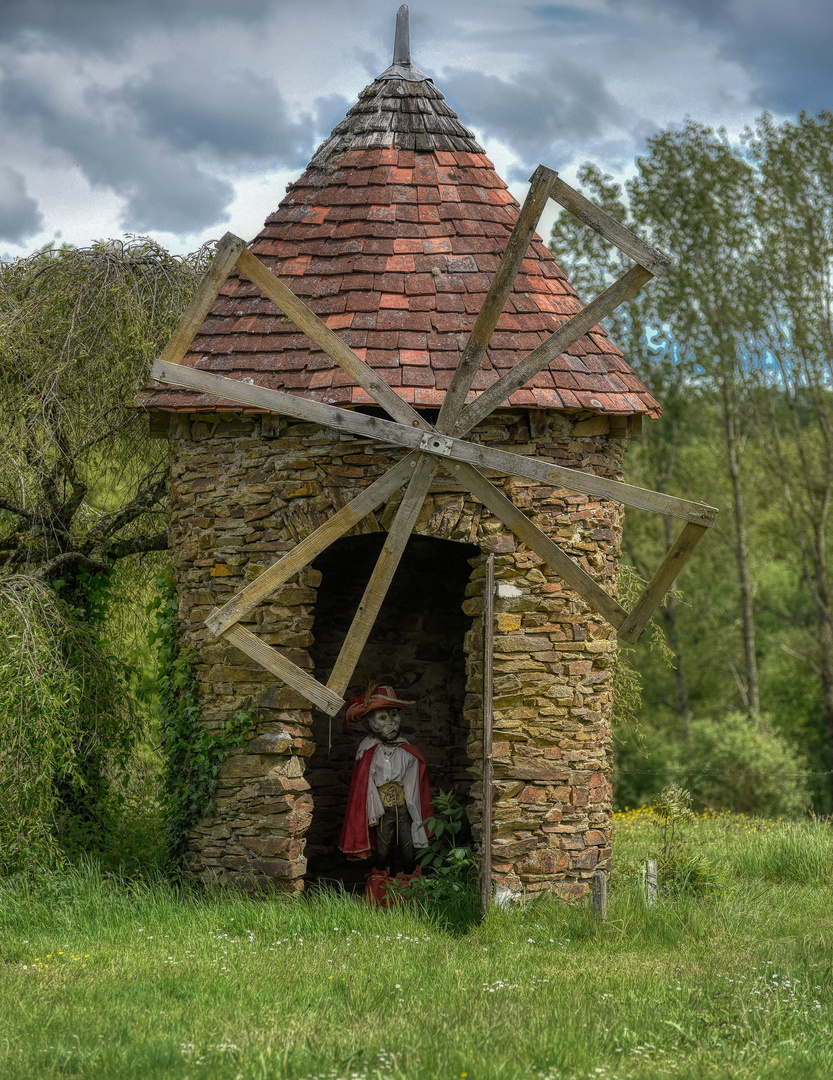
106	977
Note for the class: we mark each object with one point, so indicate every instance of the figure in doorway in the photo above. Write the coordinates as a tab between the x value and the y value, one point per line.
389	796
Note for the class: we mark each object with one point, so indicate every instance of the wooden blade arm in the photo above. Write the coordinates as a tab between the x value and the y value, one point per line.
304	552
661	582
226	255
278	401
331	343
506	511
493	397
380	579
654	260
455	397
458	449
315	692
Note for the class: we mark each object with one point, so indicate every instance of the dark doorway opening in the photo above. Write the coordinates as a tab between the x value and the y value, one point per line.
417	645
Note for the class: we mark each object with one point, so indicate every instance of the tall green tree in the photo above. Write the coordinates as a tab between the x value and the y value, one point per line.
81	488
735	341
80	483
686	335
696	194
795	218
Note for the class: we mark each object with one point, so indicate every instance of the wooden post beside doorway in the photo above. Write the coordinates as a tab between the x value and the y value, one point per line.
488	684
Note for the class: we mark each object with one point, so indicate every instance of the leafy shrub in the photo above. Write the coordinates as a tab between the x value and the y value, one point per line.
680	869
738	763
449	889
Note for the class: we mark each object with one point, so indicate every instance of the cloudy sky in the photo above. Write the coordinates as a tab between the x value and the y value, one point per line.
181	119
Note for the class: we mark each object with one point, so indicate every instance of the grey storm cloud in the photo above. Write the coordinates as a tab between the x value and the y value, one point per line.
186	110
163	189
786	47
20	217
544	112
108	24
231	115
330	111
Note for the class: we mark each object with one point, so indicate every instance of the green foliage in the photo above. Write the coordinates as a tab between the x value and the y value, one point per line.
735	343
734	762
446	855
643	760
67	727
738	763
81	490
627	682
80	481
682	868
679	868
672	806
36	694
449	889
635	758
193	754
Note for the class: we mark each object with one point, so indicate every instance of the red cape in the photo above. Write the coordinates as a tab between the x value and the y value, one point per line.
356	841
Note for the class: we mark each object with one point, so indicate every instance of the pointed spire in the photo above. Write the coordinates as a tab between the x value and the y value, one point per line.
402	68
402	41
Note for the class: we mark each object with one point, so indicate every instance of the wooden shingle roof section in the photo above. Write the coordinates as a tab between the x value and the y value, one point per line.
392	235
398	114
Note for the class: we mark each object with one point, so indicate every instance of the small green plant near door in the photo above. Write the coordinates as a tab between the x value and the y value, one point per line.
449	888
446	855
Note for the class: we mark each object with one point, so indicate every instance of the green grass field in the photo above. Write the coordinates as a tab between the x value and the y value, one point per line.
103	978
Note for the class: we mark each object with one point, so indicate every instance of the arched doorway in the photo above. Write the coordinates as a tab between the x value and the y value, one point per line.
418	645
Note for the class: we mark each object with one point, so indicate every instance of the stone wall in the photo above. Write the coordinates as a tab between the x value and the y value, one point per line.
244	491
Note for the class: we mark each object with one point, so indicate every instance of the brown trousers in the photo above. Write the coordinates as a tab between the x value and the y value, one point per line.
394	842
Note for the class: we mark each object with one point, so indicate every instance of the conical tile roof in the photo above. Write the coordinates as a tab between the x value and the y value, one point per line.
392	235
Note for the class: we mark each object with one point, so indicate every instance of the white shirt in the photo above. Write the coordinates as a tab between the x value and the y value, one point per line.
392	763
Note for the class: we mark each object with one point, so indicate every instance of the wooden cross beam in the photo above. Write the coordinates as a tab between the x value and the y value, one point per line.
442	445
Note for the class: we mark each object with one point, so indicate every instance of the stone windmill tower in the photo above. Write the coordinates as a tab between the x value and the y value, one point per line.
389	395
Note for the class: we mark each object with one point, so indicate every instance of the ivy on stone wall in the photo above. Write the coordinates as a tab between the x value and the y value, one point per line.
193	754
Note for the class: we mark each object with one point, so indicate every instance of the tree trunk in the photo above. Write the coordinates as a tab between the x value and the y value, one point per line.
751	690
668	610
826	647
820	590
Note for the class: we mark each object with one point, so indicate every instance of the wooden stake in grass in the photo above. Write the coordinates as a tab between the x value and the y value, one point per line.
651	881
599	892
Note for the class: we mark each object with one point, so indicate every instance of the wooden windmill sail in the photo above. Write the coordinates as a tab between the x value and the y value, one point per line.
381	117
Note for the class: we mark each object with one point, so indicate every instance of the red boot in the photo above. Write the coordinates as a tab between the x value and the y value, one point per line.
377	890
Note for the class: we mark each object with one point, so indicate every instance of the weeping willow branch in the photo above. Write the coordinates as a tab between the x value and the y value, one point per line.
79	477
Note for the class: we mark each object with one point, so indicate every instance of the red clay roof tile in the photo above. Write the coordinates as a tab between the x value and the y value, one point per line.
395	250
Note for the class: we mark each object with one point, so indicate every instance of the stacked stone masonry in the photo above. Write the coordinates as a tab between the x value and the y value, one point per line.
245	489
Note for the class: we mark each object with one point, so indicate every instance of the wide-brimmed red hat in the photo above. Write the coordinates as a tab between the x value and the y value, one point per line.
375	697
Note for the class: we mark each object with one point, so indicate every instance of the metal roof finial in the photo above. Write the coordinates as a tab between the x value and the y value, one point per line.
402	68
402	41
